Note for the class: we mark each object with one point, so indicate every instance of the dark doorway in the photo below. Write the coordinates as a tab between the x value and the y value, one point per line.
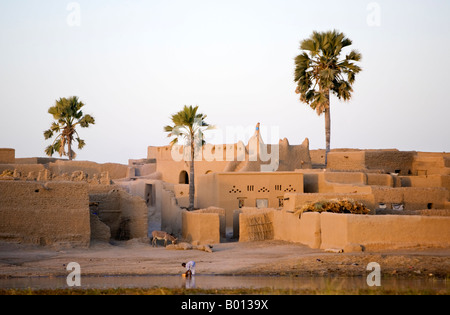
184	178
123	232
149	195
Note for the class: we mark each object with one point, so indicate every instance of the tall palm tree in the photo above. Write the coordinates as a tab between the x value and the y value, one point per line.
68	115
319	71
189	126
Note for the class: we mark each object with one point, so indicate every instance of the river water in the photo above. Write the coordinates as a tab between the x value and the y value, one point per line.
227	282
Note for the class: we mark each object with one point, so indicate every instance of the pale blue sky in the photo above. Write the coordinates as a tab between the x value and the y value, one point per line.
134	63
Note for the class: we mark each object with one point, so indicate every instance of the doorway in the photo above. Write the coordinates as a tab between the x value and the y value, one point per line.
149	195
183	178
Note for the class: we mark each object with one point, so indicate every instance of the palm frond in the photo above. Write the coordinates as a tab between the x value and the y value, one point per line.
49	151
81	143
48	134
354	55
86	120
168	128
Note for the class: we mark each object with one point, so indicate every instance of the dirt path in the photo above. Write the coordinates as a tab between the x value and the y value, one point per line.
264	258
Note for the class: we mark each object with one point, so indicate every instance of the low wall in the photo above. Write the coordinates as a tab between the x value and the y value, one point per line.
61	170
201	227
26	171
50	214
222	218
114	170
291	228
267	224
344	231
347	232
427	212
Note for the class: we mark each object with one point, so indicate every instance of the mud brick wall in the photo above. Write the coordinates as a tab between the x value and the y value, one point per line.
126	215
383	161
413	198
7	156
346	161
56	213
115	170
292	228
203	228
221	212
390	161
383	231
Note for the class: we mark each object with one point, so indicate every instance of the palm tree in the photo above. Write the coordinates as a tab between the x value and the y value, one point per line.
189	125
319	71
68	115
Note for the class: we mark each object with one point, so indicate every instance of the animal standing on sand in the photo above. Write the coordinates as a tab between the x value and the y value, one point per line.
160	235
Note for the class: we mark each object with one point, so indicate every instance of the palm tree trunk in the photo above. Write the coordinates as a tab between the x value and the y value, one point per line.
327	128
69	144
191	178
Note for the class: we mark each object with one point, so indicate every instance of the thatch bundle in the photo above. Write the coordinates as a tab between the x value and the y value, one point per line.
335	206
260	227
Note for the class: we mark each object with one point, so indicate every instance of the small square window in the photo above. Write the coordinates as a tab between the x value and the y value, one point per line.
262	203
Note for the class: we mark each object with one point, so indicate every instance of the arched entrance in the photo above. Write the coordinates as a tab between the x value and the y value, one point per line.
184	178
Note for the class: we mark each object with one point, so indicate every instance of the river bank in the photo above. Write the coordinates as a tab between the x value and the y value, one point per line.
234	258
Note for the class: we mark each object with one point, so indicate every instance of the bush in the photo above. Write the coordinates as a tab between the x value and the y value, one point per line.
335	206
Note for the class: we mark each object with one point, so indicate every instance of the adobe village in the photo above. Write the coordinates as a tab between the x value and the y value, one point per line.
246	221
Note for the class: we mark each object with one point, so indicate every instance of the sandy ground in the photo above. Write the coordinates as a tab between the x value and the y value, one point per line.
251	258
